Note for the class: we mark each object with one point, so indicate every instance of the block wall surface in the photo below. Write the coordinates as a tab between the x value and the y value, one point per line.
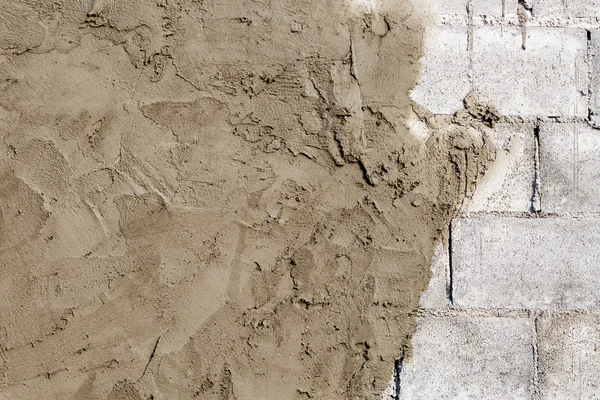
513	307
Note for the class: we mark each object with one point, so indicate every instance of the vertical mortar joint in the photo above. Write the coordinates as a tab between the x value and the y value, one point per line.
535	350
591	80
470	34
535	203
450	273
397	371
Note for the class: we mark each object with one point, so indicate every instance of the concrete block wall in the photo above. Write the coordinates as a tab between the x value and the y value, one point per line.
513	306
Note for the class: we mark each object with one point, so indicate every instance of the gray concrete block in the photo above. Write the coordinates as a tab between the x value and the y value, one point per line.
509	183
525	82
569	173
436	295
449	7
495	9
543	10
469	358
549	9
444	81
558	10
582	8
488	8
539	263
569	357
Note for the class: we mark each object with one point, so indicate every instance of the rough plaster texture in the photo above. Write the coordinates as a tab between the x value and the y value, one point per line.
221	200
242	200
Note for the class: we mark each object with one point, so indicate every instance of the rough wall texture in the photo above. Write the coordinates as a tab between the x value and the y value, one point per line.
225	200
512	310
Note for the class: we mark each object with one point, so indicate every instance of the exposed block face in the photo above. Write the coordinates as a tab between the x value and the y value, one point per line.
525	82
553	10
543	10
450	7
512	310
494	8
469	358
436	295
509	183
582	8
538	263
444	81
491	8
549	9
569	168
569	357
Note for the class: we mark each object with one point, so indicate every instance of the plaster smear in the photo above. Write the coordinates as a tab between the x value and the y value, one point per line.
217	200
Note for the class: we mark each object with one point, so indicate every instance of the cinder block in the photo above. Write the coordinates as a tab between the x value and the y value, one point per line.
542	10
509	183
549	78
557	10
582	8
449	7
549	9
569	357
469	358
508	262
436	295
444	80
491	8
569	168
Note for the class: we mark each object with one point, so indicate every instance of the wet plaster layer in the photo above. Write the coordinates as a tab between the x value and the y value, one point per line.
218	200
